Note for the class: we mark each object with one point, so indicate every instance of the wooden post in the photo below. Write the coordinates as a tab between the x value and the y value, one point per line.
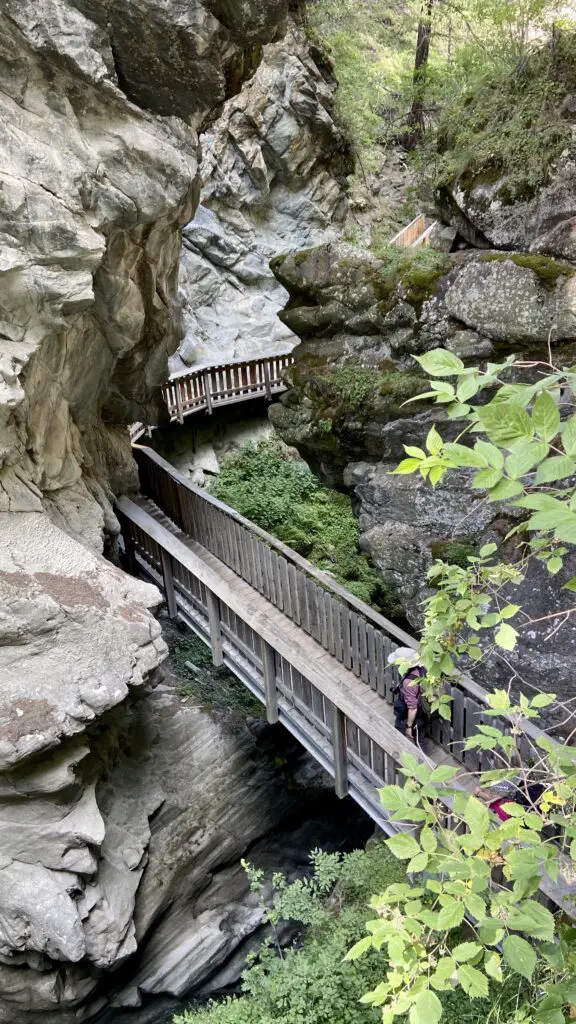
207	395
169	591
339	748
267	385
215	631
129	549
269	673
178	396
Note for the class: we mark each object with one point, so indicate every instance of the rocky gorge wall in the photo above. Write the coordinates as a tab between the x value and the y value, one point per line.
100	106
361	320
273	180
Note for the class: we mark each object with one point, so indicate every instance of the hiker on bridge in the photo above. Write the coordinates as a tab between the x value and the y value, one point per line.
410	712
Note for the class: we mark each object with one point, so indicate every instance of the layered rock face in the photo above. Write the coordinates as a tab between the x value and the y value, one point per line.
361	320
99	109
273	173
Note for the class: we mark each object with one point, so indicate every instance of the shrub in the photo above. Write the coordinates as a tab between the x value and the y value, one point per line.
282	495
313	984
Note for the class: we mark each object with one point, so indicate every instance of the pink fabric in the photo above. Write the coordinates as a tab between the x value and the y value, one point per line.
411	694
496	806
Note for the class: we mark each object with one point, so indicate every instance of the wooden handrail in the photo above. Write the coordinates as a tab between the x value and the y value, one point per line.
326	581
476	697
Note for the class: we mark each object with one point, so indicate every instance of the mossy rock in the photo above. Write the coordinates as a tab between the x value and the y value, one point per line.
547	269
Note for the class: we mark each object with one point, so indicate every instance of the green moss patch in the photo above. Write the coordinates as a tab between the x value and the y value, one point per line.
415	274
548	270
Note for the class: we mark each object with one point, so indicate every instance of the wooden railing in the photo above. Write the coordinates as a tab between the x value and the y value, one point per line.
330	703
351	631
416	234
208	387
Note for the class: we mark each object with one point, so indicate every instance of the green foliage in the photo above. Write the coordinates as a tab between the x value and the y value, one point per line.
371	50
509	935
507	121
283	496
525	455
211	687
314	984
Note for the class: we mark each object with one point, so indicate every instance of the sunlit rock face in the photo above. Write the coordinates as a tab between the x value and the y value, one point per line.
100	105
273	173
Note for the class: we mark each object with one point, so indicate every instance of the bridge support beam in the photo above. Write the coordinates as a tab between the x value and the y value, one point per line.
339	749
169	591
215	631
270	691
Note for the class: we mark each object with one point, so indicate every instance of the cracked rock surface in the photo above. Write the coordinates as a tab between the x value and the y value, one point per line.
273	173
100	105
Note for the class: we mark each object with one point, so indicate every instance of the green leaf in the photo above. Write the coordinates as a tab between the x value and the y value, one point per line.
416	453
554	565
439	363
571	585
506	637
359	948
433	441
487	550
492	966
467	387
506	489
475	905
443	773
519	955
505	424
569	436
403	847
428	840
460	455
543	700
533	919
523	458
474	983
476	816
491	453
558	467
451	915
487	478
546	417
541	503
405	467
392	798
418	863
427	1008
466	951
490	931
509	611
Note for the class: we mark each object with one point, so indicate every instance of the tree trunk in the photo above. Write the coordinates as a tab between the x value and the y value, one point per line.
416	116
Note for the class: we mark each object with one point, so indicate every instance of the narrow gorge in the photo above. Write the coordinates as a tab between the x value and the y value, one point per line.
183	186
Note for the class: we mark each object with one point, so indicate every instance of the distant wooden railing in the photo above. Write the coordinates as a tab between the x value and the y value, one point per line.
209	387
416	234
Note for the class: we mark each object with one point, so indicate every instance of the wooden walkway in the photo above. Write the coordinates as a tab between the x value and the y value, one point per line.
416	234
209	386
314	654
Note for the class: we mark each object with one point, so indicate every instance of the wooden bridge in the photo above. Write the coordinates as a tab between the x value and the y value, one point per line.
314	654
209	386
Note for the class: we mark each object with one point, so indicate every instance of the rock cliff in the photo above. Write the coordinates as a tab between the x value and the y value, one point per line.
100	104
273	173
361	320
